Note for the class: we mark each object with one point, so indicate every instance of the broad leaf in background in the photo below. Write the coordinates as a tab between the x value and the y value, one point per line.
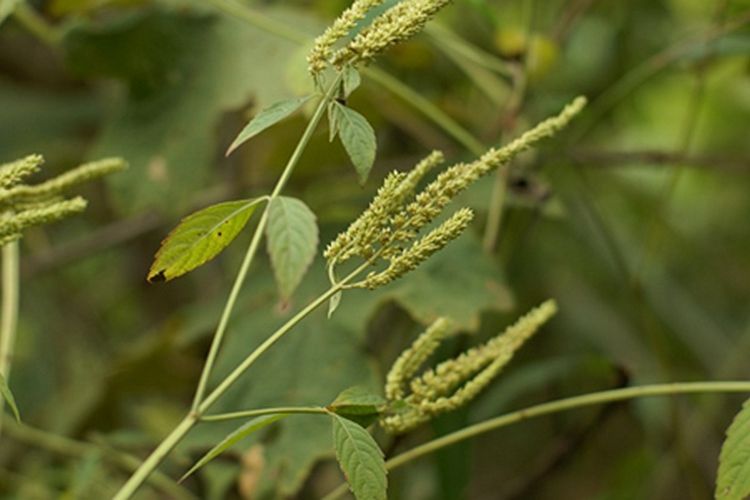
200	237
6	8
358	139
292	241
267	118
361	459
8	397
182	71
733	481
241	433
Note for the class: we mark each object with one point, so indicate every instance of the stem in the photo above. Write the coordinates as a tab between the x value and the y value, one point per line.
284	410
9	320
560	405
255	243
149	465
35	24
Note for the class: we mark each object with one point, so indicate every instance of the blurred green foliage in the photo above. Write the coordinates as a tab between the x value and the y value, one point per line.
635	220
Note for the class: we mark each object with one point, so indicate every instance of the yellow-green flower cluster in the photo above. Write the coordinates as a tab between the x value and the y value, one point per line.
22	205
390	226
399	23
455	382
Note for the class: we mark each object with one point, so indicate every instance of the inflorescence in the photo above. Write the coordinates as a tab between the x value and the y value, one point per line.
398	23
22	205
389	228
452	383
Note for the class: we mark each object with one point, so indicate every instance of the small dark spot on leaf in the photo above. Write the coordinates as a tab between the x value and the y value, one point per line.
341	101
218	234
158	277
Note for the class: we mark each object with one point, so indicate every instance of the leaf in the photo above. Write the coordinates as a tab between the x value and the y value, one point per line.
180	71
358	404
351	80
358	139
241	433
333	304
8	397
200	237
267	118
733	481
292	241
361	460
333	124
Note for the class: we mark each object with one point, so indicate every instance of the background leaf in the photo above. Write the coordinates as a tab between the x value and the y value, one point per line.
241	433
7	7
361	460
8	397
733	481
266	118
292	241
358	138
200	237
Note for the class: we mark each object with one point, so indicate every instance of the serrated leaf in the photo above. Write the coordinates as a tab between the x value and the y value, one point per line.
350	80
241	433
292	241
266	118
358	139
200	237
8	397
358	404
733	481
361	460
357	399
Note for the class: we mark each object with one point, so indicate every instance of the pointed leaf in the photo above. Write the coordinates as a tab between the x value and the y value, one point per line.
333	304
358	139
200	237
8	397
333	124
266	118
358	404
351	80
733	482
235	437
292	241
360	459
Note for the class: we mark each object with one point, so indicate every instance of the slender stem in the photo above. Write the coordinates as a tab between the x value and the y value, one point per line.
560	405
255	243
284	410
9	320
270	341
66	446
149	465
427	108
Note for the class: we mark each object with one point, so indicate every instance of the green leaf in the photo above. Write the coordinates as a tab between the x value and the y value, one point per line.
350	81
358	404
200	237
333	304
292	241
361	460
235	437
733	481
333	124
8	397
358	139
266	118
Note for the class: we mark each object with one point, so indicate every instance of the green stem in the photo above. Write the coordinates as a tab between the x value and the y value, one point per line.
199	404
255	242
284	410
9	320
560	405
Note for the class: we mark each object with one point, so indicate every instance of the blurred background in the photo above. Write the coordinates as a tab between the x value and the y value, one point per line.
635	219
